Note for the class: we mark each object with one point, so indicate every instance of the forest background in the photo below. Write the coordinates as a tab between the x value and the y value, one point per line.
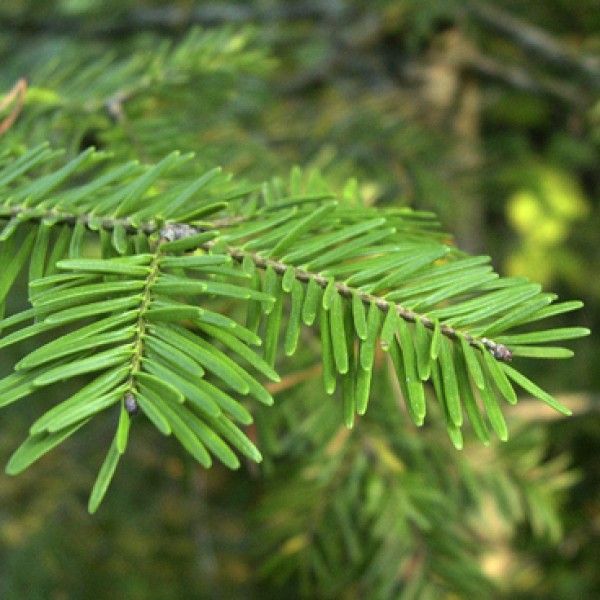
487	114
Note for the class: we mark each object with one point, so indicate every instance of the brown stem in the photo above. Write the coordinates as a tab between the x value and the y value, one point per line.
293	379
16	95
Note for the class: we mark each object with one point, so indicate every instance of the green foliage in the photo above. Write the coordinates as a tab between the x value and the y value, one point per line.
98	97
382	510
155	301
389	279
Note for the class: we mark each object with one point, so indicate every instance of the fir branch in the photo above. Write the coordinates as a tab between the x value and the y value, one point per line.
499	351
365	272
183	230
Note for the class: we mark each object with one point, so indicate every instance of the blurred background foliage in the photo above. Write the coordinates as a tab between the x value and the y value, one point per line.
486	113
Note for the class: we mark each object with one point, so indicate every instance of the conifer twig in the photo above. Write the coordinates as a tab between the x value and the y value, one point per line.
182	230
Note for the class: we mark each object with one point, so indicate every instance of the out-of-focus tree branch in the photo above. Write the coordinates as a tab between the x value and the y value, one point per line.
174	18
346	46
535	40
16	98
519	78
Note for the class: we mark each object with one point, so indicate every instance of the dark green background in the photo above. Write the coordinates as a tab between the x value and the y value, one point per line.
430	103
